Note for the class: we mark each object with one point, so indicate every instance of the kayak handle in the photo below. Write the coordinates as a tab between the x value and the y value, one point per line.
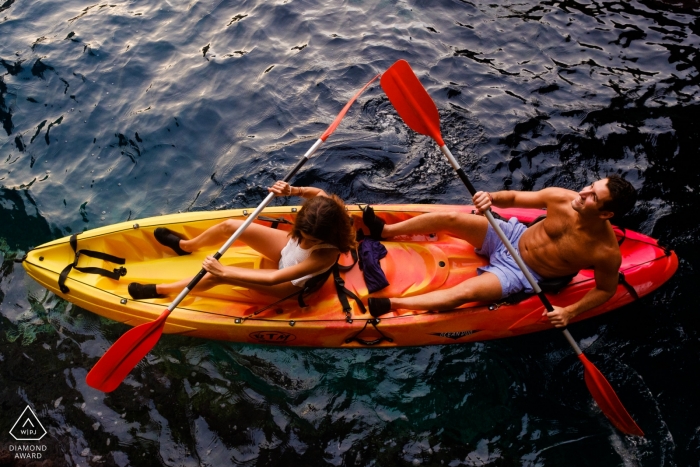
382	337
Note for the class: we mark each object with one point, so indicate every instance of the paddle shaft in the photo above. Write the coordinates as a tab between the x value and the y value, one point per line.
509	246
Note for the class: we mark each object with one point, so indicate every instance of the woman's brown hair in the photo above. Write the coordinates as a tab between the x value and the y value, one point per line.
325	218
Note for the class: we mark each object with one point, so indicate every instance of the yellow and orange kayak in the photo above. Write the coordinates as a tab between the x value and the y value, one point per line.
413	265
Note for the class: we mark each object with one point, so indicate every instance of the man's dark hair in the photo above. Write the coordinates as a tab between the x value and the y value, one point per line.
623	196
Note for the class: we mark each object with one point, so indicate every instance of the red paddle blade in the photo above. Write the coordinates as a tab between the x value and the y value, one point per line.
607	400
124	354
411	100
342	113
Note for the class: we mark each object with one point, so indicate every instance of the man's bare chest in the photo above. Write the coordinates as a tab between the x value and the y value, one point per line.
564	244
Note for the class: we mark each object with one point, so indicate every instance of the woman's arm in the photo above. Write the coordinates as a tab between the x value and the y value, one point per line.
307	192
318	261
209	281
281	188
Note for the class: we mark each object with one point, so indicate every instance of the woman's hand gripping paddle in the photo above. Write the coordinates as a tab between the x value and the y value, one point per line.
129	349
418	111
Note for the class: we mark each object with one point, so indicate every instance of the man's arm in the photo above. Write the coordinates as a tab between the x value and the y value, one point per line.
520	199
606	278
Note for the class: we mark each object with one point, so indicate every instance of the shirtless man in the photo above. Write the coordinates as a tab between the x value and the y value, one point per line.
575	235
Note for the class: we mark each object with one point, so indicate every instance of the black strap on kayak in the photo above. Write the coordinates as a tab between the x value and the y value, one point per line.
623	282
382	337
114	274
623	231
274	223
315	283
537	219
655	243
343	293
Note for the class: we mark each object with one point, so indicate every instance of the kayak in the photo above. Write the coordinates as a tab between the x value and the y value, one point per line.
93	269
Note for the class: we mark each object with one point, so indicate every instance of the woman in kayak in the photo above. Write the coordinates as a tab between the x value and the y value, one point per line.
322	230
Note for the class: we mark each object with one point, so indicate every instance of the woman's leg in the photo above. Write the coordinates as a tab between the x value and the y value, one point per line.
173	288
265	240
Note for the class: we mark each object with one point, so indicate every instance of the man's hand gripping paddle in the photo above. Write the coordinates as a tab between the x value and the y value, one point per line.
129	349
418	111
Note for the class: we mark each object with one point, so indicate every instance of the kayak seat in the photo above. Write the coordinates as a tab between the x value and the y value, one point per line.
413	268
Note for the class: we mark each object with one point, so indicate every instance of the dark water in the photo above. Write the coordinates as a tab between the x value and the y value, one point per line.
115	111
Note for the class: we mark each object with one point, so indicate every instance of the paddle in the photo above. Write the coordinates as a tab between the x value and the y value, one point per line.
418	111
129	349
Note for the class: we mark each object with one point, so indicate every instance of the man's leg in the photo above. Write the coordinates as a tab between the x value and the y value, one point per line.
483	288
469	227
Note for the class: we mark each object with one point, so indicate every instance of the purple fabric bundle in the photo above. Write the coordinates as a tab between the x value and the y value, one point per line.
370	252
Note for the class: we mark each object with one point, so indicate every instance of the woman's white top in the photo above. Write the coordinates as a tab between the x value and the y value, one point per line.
293	254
